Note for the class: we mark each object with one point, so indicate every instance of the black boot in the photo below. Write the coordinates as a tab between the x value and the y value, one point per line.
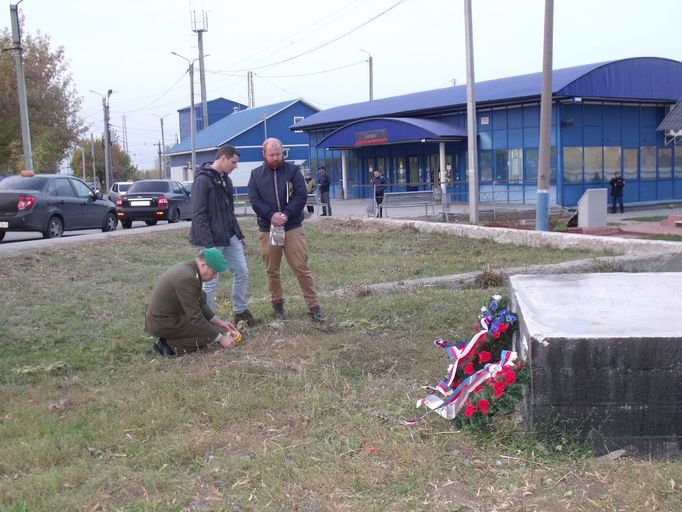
162	348
278	308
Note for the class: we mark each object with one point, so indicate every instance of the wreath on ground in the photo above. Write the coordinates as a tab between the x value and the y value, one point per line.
485	376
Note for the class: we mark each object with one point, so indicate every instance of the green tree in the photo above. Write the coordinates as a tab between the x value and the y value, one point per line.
53	105
121	166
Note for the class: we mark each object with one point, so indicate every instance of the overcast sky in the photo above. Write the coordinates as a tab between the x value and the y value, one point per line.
312	49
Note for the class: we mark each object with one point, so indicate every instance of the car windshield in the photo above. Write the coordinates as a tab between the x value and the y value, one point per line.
149	186
23	183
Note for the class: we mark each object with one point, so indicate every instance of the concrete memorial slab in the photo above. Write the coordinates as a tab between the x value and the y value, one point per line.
604	353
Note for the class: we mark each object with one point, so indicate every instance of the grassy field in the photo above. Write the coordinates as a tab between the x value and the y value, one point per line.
298	417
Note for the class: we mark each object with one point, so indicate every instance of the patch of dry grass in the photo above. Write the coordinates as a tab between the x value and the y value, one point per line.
296	418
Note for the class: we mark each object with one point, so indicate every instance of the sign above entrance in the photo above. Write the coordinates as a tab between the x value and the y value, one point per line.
371	137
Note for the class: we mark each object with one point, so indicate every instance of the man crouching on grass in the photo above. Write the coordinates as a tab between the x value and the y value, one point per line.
178	313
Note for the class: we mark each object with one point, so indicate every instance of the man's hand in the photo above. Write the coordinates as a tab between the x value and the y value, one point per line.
279	219
226	341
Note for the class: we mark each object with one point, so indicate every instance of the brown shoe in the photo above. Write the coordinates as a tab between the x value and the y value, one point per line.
246	317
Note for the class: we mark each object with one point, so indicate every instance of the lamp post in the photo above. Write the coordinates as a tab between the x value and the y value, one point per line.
21	86
107	139
371	74
192	113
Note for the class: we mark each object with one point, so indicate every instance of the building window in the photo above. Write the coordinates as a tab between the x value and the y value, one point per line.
593	165
298	119
573	165
516	165
485	164
531	164
630	164
665	162
647	168
612	161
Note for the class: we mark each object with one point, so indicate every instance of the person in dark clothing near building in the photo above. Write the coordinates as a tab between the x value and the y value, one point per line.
324	183
617	184
214	224
277	193
379	184
177	311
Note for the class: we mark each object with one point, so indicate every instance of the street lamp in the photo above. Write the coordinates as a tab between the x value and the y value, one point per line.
192	113
107	139
371	74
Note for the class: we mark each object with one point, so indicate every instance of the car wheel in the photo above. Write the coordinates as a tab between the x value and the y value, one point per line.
151	222
175	217
2	235
127	224
55	228
110	223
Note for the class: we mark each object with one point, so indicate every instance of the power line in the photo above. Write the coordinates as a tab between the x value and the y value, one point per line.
327	43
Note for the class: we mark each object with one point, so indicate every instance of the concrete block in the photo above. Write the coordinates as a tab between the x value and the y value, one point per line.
604	352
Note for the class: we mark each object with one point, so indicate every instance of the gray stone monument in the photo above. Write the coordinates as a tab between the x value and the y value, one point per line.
604	353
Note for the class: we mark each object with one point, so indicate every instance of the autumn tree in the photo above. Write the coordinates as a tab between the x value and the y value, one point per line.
121	165
53	105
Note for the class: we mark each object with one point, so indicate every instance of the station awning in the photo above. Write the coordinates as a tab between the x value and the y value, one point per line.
391	130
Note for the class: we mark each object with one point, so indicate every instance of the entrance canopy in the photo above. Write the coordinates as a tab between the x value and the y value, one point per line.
391	130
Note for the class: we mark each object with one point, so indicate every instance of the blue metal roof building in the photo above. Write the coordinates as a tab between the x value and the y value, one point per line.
246	130
604	119
216	109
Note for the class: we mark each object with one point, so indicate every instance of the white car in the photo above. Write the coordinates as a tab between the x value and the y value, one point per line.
119	188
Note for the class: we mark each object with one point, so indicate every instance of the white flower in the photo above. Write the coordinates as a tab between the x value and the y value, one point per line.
497	298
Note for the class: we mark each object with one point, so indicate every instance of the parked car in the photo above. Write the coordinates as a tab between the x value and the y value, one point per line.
119	188
188	185
154	200
52	204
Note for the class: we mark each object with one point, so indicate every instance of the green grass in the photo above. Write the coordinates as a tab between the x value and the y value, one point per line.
650	218
297	418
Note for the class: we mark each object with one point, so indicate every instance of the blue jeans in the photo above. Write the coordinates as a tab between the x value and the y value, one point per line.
617	201
236	262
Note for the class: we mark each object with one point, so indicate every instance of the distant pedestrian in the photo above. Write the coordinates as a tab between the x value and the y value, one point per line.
324	184
277	193
177	311
617	185
214	224
379	184
311	187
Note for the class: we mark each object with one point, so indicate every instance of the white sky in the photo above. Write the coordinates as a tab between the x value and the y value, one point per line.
126	45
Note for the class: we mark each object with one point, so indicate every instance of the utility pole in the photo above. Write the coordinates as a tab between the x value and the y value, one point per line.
21	85
472	147
92	152
200	28
544	168
125	135
192	112
160	160
251	93
371	74
83	155
107	139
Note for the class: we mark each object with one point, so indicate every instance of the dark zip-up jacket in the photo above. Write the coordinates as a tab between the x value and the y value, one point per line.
280	190
213	218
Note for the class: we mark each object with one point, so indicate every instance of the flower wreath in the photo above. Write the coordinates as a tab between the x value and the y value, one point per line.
474	382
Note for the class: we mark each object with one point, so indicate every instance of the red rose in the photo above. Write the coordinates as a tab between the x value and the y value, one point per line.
509	376
469	411
498	388
503	327
496	334
483	357
469	368
483	406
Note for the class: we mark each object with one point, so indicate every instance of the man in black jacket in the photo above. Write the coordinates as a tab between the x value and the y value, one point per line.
324	183
278	193
214	224
379	184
